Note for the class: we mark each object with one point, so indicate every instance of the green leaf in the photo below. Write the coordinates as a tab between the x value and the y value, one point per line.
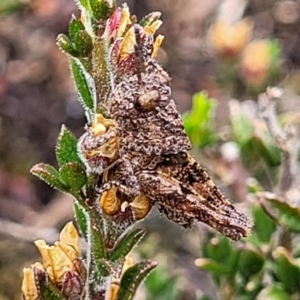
161	285
8	7
275	50
66	147
125	245
83	4
103	268
83	43
98	248
264	225
296	252
85	86
66	45
212	266
44	286
250	262
241	123
197	122
100	9
50	175
264	146
204	298
73	174
82	218
74	27
253	186
202	106
49	291
150	18
273	292
222	252
222	257
287	270
132	278
287	215
218	250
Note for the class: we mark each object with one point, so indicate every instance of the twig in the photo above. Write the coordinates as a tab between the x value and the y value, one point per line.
285	140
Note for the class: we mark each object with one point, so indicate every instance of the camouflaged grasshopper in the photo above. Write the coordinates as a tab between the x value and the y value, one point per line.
152	151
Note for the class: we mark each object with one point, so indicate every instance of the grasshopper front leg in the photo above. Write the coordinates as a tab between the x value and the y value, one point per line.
120	176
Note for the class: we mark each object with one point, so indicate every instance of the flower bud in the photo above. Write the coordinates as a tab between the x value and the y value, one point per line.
257	60
230	39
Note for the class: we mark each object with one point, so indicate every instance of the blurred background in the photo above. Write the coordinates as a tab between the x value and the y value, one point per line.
231	49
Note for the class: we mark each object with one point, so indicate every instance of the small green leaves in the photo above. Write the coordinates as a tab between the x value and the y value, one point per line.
82	40
97	243
287	215
70	178
150	18
127	243
132	278
252	136
82	218
64	43
197	123
250	263
73	174
212	266
66	147
221	257
204	298
49	175
264	225
217	249
266	149
161	285
46	288
100	9
242	124
80	44
85	88
74	27
103	267
83	4
287	269
273	292
49	291
83	43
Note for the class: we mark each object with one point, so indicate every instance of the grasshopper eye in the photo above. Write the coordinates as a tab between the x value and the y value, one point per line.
149	100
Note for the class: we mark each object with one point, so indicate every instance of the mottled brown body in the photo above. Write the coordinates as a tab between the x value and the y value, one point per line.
155	143
153	164
184	193
147	115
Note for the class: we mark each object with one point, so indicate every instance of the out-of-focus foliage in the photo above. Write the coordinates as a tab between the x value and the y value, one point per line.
8	6
198	122
244	64
266	265
160	285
